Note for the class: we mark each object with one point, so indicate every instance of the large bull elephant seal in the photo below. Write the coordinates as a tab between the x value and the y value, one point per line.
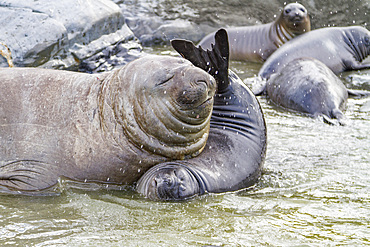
257	43
235	150
108	128
339	48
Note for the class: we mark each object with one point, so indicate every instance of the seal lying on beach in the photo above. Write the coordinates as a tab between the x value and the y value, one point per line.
108	127
257	43
235	150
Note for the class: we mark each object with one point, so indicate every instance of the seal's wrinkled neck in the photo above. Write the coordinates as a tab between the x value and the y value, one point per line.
357	44
293	21
151	118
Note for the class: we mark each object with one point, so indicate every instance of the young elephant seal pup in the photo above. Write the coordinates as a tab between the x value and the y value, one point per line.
257	43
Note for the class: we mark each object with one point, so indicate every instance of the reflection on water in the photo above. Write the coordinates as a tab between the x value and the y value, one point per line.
314	192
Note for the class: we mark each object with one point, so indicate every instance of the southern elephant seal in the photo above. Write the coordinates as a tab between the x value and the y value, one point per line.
309	86
109	127
257	43
235	150
339	48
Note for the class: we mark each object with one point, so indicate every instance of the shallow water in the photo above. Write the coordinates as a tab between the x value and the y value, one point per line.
314	192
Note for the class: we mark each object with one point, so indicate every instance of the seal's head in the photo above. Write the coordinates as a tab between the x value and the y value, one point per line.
295	18
164	105
358	39
170	181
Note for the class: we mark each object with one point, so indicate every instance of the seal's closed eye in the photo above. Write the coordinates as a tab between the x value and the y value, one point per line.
165	81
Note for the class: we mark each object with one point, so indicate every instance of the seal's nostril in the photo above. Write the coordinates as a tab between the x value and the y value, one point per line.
203	83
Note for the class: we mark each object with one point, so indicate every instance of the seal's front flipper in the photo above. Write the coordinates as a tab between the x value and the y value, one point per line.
170	181
358	66
27	177
258	85
336	118
215	61
352	93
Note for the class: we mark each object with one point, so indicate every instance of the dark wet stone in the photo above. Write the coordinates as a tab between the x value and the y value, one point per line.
118	54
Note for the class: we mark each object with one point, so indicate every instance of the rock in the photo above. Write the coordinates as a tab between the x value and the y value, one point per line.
32	37
170	30
38	30
107	52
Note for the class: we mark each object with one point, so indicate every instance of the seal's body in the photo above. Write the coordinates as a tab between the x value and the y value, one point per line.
257	43
235	151
339	48
156	123
307	85
100	128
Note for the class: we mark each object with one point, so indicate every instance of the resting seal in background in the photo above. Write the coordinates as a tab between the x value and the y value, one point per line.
109	127
339	48
309	86
257	43
235	150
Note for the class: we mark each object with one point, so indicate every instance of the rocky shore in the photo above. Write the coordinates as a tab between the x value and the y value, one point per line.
98	35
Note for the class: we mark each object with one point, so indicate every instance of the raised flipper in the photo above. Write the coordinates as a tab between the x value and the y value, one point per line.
233	156
356	65
28	177
215	61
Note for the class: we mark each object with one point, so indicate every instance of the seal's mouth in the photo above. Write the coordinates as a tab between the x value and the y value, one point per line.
297	19
207	102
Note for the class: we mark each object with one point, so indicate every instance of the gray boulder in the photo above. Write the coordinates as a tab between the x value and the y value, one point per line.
44	32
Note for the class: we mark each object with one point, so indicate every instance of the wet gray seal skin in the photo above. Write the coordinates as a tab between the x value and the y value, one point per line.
257	43
309	86
108	128
339	48
235	150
